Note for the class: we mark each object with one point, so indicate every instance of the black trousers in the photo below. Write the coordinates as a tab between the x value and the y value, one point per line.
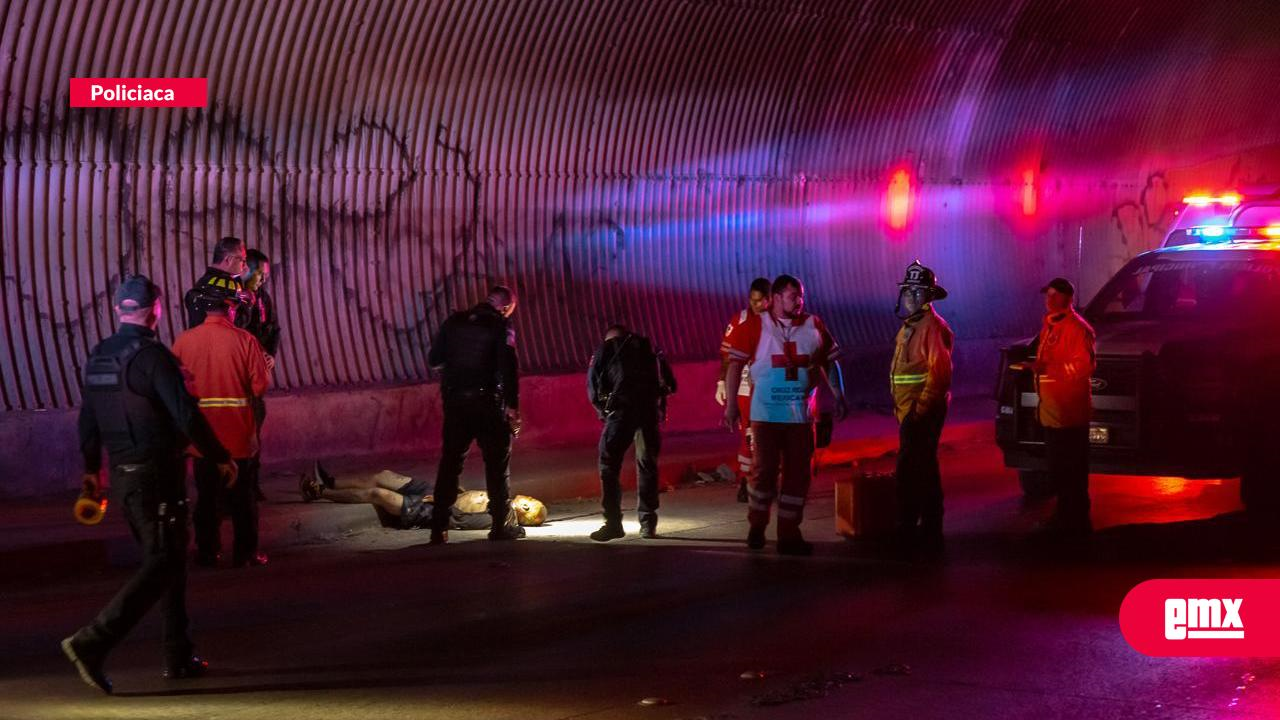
468	417
214	500
919	478
1067	450
621	428
154	504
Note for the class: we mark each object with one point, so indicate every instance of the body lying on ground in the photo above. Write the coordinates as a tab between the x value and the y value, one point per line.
405	503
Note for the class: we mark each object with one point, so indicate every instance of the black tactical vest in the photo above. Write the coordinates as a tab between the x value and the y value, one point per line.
472	346
120	411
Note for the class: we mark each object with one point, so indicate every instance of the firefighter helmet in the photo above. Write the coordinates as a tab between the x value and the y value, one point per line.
218	293
919	276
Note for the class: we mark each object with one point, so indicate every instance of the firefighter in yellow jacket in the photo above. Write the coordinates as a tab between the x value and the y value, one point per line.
920	380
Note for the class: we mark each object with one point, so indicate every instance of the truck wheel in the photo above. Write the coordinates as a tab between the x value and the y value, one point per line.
1036	484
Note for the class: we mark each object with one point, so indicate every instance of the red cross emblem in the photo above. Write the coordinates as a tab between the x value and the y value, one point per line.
790	360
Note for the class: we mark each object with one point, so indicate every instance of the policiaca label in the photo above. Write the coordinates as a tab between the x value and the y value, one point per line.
138	92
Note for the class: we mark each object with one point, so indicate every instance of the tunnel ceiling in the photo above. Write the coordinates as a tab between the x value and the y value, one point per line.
613	160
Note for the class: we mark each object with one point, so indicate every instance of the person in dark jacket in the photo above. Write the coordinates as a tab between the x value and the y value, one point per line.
627	384
480	386
261	320
224	272
136	404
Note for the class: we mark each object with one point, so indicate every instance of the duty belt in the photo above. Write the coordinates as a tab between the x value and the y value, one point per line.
224	402
136	467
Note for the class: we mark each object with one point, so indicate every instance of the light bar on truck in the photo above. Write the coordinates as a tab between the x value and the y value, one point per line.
1222	234
1227	199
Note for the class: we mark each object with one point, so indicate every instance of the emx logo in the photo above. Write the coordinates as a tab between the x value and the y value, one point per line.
1203	618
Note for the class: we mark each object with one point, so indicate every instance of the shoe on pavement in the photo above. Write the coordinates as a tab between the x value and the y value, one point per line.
609	531
192	667
649	530
310	487
255	560
89	666
438	537
506	532
795	546
755	538
742	491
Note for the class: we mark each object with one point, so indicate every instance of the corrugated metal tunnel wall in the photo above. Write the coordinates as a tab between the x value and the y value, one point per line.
611	159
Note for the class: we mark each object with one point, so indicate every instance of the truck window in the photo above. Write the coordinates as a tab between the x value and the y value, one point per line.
1170	289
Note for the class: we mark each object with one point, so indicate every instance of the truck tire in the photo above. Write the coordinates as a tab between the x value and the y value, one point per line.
1036	484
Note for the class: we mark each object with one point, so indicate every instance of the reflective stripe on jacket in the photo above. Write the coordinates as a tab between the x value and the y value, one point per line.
920	376
1066	353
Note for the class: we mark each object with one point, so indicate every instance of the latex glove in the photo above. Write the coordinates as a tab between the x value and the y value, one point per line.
722	393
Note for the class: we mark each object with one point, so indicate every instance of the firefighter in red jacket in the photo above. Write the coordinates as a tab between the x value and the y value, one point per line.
757	303
920	380
1064	365
228	373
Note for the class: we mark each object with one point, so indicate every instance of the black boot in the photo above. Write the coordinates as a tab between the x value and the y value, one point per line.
794	545
742	491
506	532
88	664
192	667
755	538
649	528
609	531
438	537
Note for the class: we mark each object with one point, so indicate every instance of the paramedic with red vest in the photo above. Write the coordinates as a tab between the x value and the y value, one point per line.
787	351
757	304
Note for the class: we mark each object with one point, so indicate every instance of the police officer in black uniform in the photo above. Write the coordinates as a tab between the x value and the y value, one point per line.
627	383
136	404
224	272
481	391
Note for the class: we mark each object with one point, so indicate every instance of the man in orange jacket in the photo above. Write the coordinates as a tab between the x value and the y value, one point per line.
920	380
228	374
1064	365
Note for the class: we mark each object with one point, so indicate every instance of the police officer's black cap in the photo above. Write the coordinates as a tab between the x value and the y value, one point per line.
1062	285
137	290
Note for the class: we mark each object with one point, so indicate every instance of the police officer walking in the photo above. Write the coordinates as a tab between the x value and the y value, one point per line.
627	384
481	391
920	380
135	403
1064	365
